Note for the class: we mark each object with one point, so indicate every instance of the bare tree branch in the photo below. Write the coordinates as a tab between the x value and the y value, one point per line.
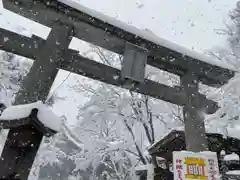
141	156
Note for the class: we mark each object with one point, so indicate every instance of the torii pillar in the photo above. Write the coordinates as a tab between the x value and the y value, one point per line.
18	156
195	133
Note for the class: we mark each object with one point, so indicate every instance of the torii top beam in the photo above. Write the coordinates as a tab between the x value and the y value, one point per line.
111	34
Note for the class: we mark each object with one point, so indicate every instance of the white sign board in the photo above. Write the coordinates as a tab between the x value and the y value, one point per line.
195	166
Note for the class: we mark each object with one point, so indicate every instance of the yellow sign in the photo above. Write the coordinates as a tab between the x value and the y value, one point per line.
195	168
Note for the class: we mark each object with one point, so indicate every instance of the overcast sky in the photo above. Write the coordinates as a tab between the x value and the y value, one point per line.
190	23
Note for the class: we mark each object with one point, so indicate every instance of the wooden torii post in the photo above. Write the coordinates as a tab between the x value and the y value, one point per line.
138	49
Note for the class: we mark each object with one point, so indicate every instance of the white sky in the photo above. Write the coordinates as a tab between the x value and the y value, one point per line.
190	23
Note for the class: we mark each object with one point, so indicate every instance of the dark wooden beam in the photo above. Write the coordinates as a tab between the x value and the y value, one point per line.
92	69
97	71
72	61
39	80
19	44
113	38
46	15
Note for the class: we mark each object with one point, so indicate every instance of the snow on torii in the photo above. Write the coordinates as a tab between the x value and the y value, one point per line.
145	34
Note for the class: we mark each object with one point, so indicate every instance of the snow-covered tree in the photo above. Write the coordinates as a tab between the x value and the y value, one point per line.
228	96
117	126
53	158
12	68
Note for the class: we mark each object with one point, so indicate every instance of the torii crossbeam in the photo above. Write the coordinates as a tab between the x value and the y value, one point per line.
70	19
12	42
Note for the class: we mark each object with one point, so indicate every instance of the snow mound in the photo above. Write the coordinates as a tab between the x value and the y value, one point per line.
145	34
231	157
44	115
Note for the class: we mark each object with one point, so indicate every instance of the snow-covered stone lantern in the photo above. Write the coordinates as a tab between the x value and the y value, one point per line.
29	123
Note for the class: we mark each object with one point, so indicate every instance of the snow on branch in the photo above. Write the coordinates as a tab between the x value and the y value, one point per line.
70	135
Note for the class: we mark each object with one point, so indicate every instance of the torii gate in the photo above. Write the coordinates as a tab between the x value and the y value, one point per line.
70	19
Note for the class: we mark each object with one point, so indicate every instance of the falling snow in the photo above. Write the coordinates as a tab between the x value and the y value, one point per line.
112	128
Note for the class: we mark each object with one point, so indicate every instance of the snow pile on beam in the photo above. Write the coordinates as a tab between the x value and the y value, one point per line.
44	115
231	132
145	34
141	168
179	128
235	172
231	157
225	131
